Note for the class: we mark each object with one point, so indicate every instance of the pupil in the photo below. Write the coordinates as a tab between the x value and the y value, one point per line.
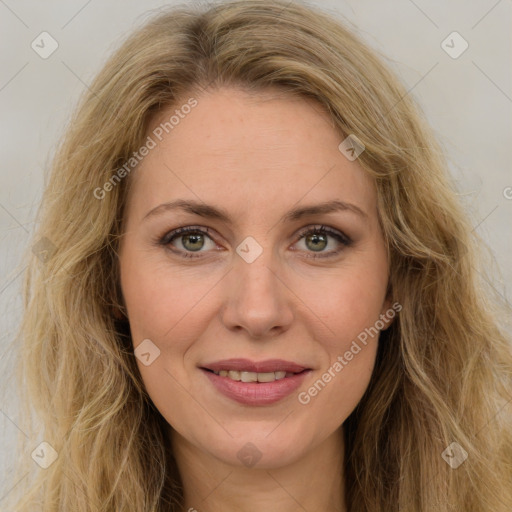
315	238
194	239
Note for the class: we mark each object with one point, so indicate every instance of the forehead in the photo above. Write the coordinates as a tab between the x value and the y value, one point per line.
248	151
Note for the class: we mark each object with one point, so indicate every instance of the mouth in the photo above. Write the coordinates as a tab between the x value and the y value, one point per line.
255	383
245	370
248	376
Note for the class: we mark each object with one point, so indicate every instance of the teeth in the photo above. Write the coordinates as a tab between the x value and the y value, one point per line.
248	376
253	376
266	377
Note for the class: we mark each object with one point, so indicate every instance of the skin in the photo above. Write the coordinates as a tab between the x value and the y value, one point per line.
256	156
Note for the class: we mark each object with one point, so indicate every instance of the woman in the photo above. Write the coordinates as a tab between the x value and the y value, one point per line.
258	289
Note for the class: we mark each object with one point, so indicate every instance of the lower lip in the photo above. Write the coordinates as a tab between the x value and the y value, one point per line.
256	393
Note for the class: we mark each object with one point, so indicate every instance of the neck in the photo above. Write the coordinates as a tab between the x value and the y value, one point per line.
312	482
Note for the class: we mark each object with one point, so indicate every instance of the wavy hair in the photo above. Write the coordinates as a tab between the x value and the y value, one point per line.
443	369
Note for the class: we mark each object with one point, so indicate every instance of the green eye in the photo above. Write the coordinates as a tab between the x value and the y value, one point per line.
316	239
192	242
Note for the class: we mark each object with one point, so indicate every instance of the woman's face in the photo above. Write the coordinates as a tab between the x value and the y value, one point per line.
251	290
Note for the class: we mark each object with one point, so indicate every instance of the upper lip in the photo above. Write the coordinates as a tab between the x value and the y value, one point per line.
267	366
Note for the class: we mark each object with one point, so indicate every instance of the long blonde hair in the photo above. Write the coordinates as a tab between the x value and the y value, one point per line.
443	369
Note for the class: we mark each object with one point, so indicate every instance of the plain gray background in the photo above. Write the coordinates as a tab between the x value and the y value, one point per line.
468	101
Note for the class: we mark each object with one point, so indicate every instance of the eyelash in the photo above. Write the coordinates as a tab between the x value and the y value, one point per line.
344	240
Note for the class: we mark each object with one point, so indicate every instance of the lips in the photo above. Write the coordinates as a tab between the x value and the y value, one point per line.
255	383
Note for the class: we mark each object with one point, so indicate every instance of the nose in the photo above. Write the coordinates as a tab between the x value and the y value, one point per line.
257	298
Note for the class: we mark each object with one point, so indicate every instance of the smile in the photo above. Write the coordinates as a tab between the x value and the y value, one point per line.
246	376
255	383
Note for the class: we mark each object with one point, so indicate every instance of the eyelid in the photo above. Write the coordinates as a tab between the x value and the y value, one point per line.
168	237
321	228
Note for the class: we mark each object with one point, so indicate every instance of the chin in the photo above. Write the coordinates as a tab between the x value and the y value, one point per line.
261	450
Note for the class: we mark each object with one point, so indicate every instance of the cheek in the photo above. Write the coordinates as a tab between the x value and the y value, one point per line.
339	389
349	336
344	376
346	304
163	301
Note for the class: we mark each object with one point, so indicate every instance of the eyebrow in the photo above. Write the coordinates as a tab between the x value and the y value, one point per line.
212	212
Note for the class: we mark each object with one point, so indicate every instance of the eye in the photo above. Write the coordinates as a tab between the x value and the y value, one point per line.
316	239
192	239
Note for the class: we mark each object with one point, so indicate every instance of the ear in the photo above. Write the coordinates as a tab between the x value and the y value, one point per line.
117	313
118	306
389	310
